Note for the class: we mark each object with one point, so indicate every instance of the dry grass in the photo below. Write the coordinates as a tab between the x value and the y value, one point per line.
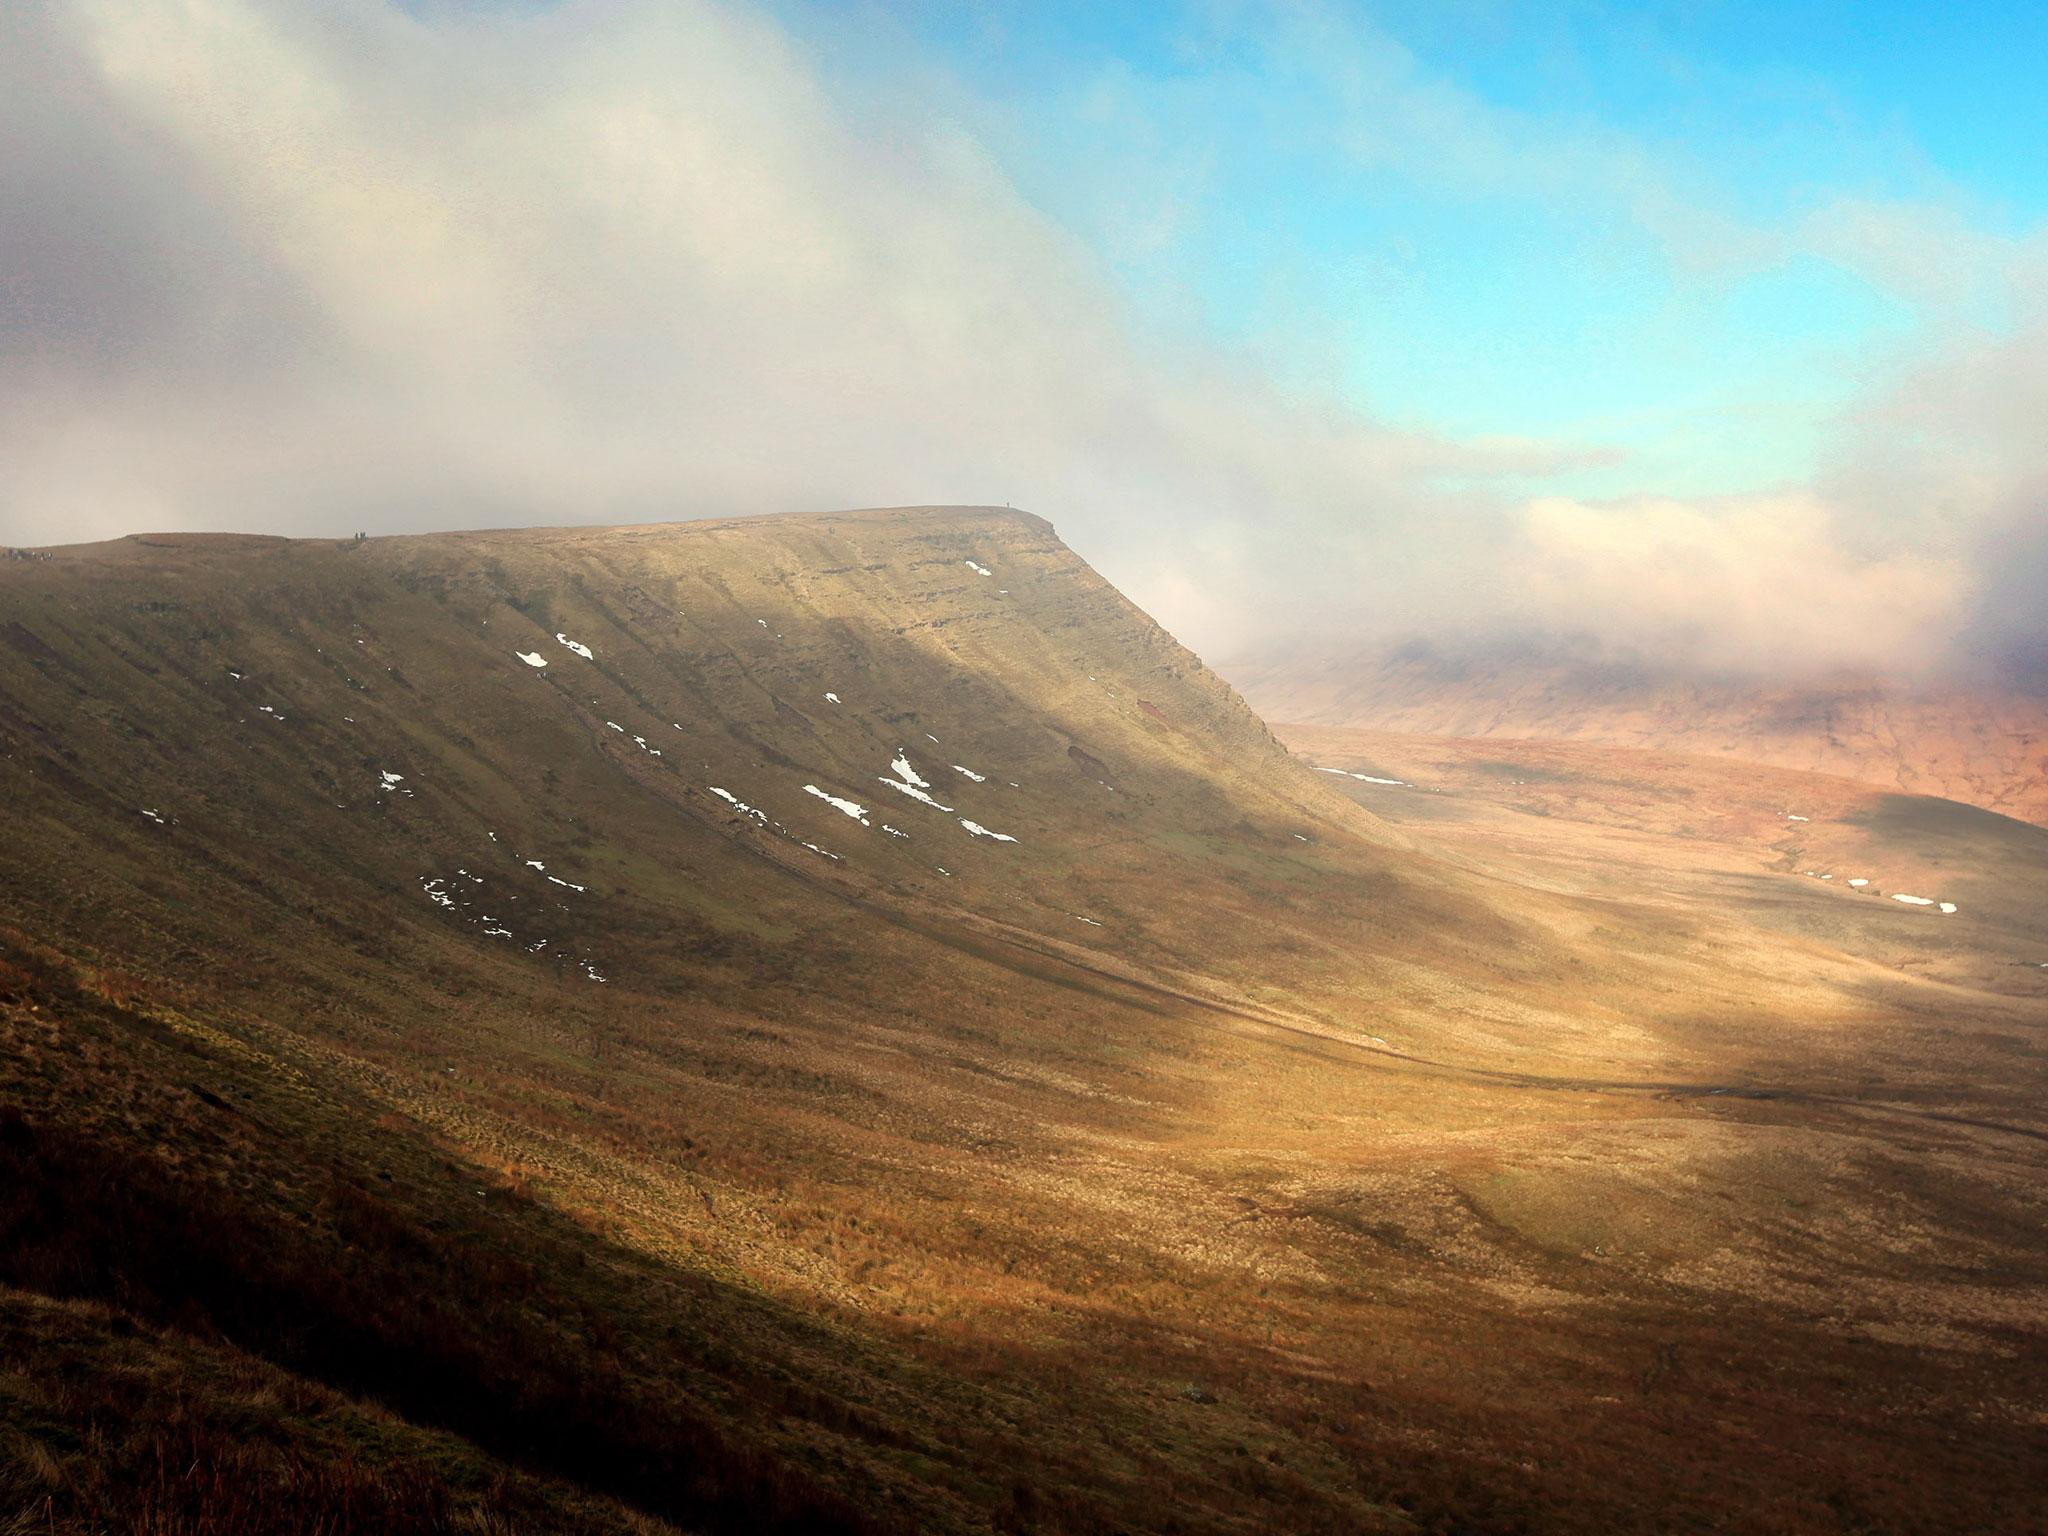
1347	1184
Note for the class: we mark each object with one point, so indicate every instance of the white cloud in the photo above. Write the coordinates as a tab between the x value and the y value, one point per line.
612	261
319	268
1760	583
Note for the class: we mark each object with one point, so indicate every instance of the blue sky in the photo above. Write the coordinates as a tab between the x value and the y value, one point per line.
1615	227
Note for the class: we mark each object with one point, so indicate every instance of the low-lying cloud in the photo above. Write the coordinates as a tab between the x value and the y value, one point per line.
310	269
1748	584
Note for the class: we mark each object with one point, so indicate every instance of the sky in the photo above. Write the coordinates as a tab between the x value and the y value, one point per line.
1708	334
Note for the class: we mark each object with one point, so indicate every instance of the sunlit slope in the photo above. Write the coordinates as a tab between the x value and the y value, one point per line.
704	761
349	741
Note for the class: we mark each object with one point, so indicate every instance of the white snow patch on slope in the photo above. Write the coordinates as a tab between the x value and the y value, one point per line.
737	803
1859	884
979	570
900	766
831	698
915	793
845	807
979	830
979	778
580	650
152	815
1346	773
1948	906
532	658
1913	901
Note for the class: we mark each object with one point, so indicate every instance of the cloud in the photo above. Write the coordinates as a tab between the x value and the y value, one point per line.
321	268
1750	584
310	269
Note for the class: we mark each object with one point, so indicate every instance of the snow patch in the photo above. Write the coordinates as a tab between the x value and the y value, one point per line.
1948	906
915	793
978	830
1859	884
979	570
738	804
831	698
152	815
979	778
845	807
900	766
532	658
580	650
1346	773
1913	901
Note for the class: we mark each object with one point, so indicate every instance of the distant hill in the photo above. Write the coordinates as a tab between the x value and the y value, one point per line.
1981	746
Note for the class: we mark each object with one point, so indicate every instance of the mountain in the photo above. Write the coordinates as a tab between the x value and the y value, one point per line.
1985	746
838	1022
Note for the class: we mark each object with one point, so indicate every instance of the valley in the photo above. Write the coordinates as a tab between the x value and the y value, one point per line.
1983	744
840	1022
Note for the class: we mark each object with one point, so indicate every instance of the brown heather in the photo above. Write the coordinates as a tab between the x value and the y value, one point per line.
1533	1147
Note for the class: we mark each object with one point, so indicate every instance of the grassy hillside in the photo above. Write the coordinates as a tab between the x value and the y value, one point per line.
449	1092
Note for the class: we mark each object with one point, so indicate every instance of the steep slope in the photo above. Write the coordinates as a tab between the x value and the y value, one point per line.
488	1034
1982	746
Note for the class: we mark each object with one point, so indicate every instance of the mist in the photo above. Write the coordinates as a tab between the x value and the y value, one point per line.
309	270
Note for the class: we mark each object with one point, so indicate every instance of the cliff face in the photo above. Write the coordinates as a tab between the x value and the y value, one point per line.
1982	747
